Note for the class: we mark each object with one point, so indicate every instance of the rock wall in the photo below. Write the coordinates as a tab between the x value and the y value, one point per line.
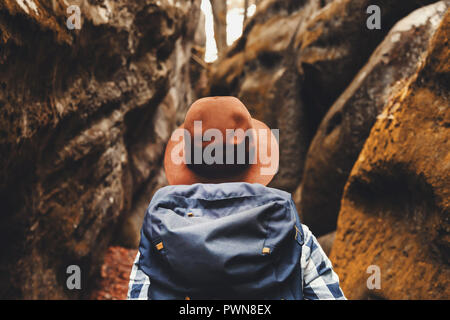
84	116
363	118
396	203
259	70
294	60
313	70
344	129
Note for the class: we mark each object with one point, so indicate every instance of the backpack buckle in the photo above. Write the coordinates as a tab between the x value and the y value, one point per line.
298	235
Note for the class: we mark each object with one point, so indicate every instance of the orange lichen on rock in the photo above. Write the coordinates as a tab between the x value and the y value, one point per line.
341	135
395	209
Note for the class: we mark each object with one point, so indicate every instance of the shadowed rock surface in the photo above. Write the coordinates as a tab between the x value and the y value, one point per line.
259	70
326	241
396	204
115	274
294	60
84	116
344	129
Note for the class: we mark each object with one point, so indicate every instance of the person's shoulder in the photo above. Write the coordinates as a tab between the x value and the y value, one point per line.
309	239
306	229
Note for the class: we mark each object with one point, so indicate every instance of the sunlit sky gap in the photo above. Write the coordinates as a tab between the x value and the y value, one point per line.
235	19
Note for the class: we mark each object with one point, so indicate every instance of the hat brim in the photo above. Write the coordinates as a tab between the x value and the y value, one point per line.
181	174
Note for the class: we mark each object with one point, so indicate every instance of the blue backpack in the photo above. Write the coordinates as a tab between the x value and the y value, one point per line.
222	241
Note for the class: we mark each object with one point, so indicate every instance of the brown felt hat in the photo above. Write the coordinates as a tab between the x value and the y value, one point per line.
211	129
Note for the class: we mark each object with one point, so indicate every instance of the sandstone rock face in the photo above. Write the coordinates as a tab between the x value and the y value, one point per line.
334	45
115	274
293	61
396	204
84	116
344	129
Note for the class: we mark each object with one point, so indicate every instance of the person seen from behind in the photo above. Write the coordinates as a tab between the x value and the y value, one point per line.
217	231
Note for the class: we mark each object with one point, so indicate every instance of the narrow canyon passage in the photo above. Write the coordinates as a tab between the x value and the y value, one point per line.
91	91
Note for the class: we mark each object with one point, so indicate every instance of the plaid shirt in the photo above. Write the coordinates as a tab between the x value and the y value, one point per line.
319	279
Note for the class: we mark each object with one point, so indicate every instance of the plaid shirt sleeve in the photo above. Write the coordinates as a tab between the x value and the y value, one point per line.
139	282
319	279
320	282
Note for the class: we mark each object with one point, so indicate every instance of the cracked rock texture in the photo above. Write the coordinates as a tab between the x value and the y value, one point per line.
115	274
84	116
